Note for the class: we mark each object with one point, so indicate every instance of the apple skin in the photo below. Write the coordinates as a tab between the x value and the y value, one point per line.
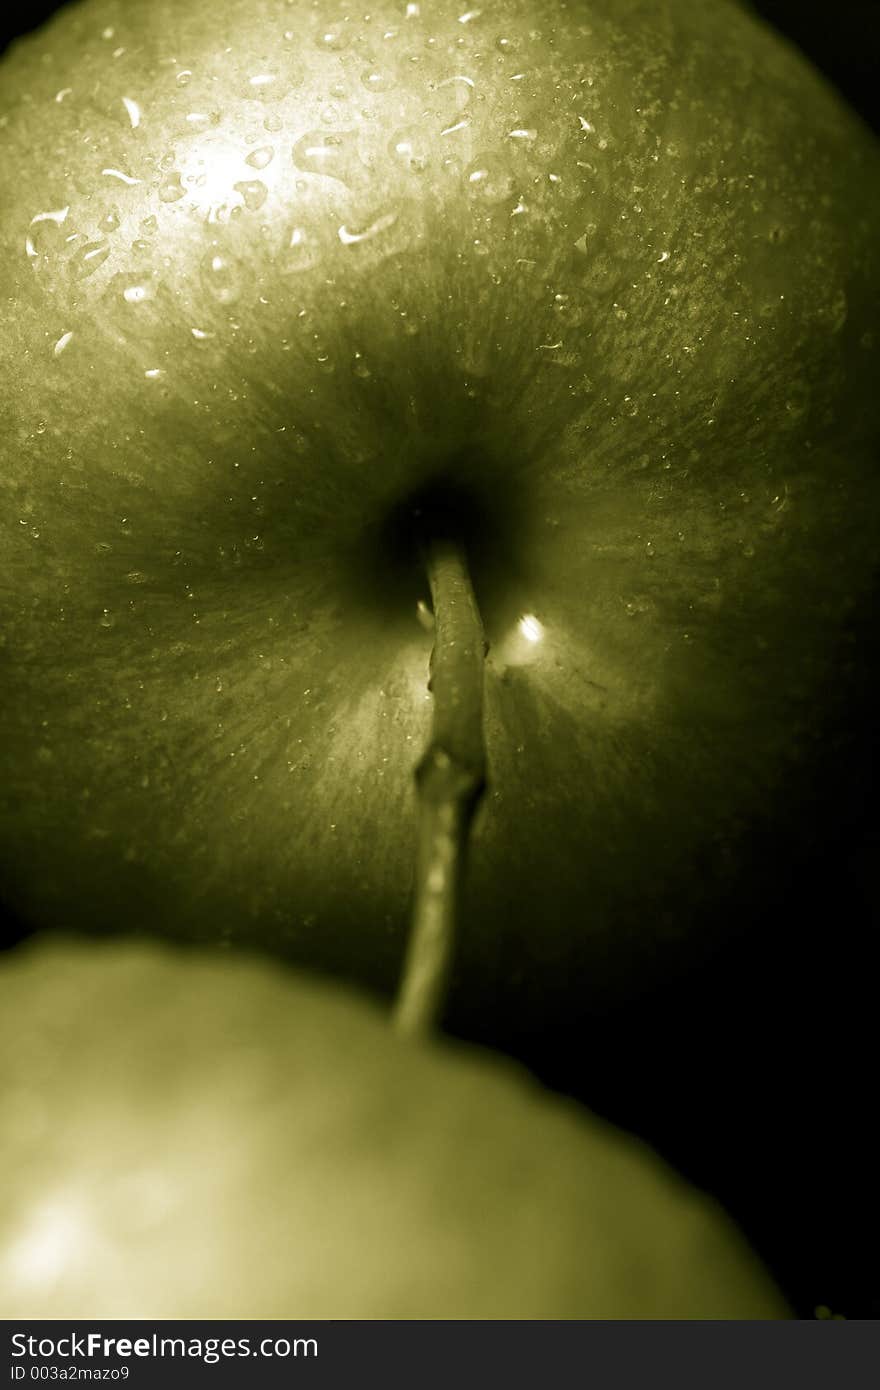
607	274
186	1135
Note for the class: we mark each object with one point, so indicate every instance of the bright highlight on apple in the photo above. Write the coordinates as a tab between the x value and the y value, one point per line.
530	628
54	1237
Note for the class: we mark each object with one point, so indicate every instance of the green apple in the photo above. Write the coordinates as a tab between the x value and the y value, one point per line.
188	1136
596	280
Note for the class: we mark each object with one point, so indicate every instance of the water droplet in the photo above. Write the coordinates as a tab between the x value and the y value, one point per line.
505	44
410	148
62	343
132	111
221	276
121	175
376	81
110	221
139	290
254	192
299	253
261	158
462	124
149	225
332	38
521	133
184	77
333	155
45	238
353	237
453	96
86	259
171	189
490	181
798	401
265	86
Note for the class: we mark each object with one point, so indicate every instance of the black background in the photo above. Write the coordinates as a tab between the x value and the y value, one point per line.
764	1090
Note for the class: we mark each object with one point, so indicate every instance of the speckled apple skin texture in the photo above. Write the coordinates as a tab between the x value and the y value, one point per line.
610	265
231	1141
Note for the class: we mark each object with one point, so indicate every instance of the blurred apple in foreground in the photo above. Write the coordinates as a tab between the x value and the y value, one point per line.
188	1136
595	281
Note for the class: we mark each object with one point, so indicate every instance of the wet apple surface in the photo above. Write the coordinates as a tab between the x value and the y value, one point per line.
270	282
603	276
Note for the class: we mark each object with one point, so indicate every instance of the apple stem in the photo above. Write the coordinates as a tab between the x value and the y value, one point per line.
450	778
